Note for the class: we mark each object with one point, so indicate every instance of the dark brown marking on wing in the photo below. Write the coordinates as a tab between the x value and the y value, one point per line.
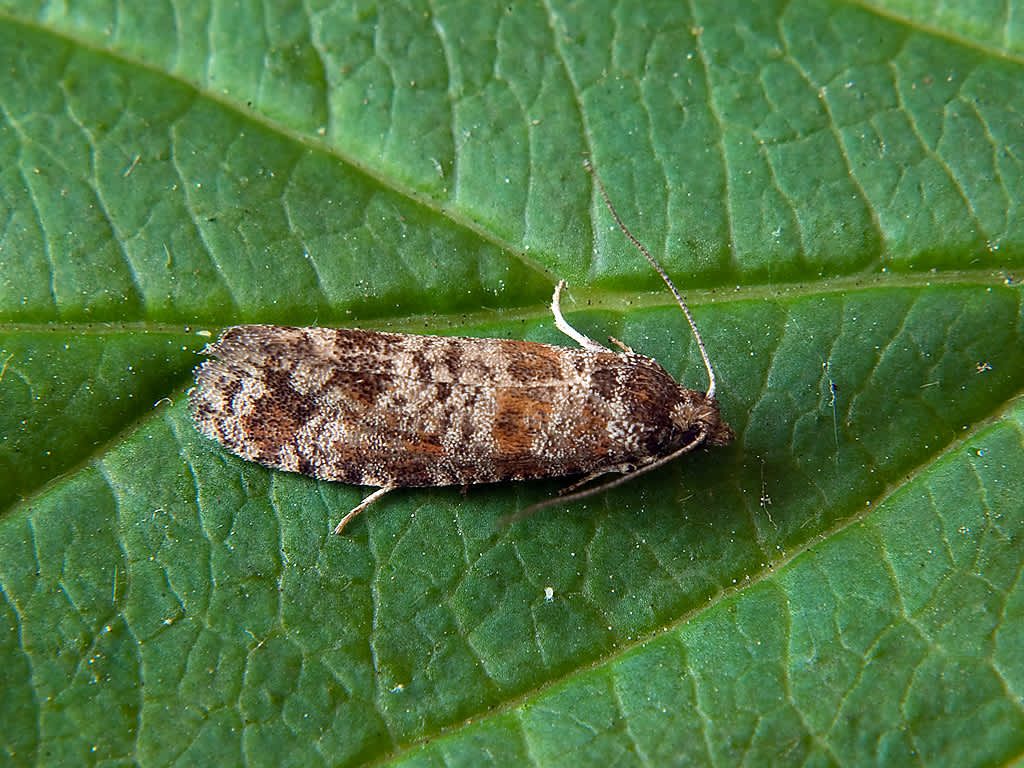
277	416
364	387
605	382
451	359
532	363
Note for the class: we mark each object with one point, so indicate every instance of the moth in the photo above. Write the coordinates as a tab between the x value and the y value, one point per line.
393	410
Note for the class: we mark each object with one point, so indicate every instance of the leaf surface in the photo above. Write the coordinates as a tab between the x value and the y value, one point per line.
836	188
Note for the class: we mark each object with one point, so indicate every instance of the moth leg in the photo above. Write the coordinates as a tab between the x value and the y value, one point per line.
628	474
570	492
624	347
362	505
561	324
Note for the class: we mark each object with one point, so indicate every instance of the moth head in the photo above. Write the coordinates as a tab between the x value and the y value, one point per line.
696	413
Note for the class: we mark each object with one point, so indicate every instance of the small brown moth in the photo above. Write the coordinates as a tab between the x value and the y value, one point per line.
395	410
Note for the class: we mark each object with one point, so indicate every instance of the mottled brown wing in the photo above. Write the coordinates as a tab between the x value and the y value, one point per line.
394	409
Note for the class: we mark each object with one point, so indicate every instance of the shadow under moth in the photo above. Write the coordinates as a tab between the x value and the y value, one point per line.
395	410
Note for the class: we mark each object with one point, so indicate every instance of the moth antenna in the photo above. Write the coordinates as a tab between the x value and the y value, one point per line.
668	281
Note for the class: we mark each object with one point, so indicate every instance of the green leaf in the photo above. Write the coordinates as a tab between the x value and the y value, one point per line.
836	188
